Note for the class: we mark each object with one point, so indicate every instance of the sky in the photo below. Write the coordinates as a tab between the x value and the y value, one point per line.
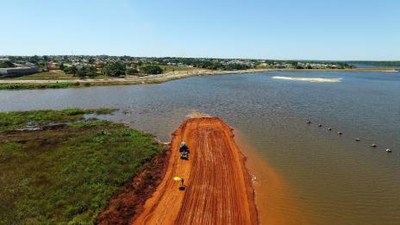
263	29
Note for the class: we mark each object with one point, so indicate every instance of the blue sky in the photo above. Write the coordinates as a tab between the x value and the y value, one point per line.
274	29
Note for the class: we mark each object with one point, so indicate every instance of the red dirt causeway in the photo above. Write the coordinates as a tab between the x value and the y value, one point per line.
218	186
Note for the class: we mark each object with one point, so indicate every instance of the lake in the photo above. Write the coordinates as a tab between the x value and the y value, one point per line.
333	178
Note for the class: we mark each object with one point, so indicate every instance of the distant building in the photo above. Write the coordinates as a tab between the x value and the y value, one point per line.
53	66
18	71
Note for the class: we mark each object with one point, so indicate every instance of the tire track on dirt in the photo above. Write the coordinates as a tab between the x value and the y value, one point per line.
218	186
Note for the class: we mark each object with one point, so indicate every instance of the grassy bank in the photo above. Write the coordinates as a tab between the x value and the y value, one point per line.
65	174
50	75
17	86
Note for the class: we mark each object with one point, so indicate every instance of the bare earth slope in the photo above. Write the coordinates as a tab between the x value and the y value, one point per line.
218	187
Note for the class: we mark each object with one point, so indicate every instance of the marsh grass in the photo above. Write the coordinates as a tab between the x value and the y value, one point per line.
18	120
38	86
66	175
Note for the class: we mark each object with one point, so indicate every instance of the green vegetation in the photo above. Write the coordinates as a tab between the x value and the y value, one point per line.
87	71
50	75
116	69
132	71
66	175
236	66
36	86
151	69
70	70
378	63
82	71
105	67
6	64
176	68
18	120
208	64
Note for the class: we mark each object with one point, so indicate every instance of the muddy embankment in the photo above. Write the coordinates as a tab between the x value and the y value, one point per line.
128	203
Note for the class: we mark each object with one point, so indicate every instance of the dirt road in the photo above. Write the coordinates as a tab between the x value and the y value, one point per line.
218	186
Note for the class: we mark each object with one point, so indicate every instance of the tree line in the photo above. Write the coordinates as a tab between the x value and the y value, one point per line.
115	69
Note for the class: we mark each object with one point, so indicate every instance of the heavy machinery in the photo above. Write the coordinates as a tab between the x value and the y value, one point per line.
184	151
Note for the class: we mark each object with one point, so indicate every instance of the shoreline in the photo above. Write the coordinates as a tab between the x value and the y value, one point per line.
10	84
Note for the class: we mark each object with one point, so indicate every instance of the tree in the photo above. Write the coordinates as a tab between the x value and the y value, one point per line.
151	69
6	64
34	59
70	70
114	69
92	71
82	72
132	71
236	66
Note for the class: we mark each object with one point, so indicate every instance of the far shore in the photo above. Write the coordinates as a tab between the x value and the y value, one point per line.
160	78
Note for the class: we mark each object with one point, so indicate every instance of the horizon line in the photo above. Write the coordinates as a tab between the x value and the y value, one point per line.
196	57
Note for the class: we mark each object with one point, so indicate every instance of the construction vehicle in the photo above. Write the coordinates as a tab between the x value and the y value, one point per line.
184	151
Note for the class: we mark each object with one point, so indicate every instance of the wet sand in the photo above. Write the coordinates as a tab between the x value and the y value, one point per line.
218	186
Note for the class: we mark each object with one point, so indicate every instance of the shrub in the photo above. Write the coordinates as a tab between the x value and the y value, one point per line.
114	69
151	69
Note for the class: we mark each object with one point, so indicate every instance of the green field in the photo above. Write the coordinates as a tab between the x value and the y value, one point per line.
167	69
65	173
51	75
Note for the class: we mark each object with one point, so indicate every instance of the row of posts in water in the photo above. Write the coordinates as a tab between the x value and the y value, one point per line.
373	145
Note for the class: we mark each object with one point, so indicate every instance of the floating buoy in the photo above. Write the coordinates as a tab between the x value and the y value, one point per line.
373	145
388	150
357	139
340	133
329	128
319	125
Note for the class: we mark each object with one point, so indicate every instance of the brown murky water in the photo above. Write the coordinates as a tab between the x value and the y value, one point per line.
319	177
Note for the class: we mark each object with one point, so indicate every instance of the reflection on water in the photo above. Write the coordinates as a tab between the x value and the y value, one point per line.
335	179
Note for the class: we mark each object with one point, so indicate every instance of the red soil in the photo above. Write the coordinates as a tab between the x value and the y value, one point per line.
129	202
218	186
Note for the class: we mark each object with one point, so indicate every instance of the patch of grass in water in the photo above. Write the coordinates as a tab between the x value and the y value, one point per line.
18	120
